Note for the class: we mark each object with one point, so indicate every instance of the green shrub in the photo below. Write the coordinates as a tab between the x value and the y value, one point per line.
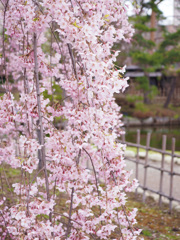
141	107
133	98
153	92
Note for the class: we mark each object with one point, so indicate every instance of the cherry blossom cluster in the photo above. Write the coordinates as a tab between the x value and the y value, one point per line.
67	43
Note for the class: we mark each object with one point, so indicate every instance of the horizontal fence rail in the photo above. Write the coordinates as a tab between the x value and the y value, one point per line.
147	165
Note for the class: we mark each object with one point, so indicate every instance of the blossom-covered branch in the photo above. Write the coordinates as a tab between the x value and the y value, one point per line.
66	44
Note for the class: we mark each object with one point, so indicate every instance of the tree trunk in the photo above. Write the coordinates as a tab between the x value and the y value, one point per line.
146	98
170	94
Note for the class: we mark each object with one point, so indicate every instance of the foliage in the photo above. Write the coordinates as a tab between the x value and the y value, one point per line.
56	95
141	107
143	83
148	53
170	39
58	197
133	98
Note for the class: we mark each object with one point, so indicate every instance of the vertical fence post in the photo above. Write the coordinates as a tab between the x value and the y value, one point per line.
162	169
137	156
171	175
146	165
123	137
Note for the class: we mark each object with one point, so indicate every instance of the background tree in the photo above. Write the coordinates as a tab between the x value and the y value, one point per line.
153	48
144	47
169	49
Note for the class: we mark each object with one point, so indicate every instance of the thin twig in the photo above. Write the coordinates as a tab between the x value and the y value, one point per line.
7	180
70	213
54	188
78	157
124	210
36	175
71	4
41	10
94	170
119	226
49	122
30	184
2	188
72	220
51	62
84	68
3	40
5	225
26	90
73	65
72	60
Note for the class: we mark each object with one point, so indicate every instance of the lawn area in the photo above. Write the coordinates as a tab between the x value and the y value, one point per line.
155	223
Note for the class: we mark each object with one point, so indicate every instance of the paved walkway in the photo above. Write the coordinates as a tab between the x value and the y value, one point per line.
153	177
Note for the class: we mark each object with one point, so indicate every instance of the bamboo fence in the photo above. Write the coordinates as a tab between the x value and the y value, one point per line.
147	165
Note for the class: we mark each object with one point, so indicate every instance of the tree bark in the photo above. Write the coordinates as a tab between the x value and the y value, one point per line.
170	93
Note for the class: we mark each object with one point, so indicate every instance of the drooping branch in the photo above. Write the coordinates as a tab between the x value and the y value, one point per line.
54	35
26	88
3	43
94	170
70	213
51	62
9	236
72	60
95	175
72	220
30	184
124	210
78	157
42	150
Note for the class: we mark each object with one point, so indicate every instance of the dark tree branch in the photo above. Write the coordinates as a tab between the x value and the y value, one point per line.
72	60
78	157
94	170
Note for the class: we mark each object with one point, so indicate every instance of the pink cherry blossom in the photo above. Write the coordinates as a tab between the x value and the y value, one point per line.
67	43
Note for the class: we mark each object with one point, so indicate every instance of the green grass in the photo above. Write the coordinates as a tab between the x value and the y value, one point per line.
146	233
155	223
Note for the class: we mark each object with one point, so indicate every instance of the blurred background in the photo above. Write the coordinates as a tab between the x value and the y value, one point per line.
152	100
